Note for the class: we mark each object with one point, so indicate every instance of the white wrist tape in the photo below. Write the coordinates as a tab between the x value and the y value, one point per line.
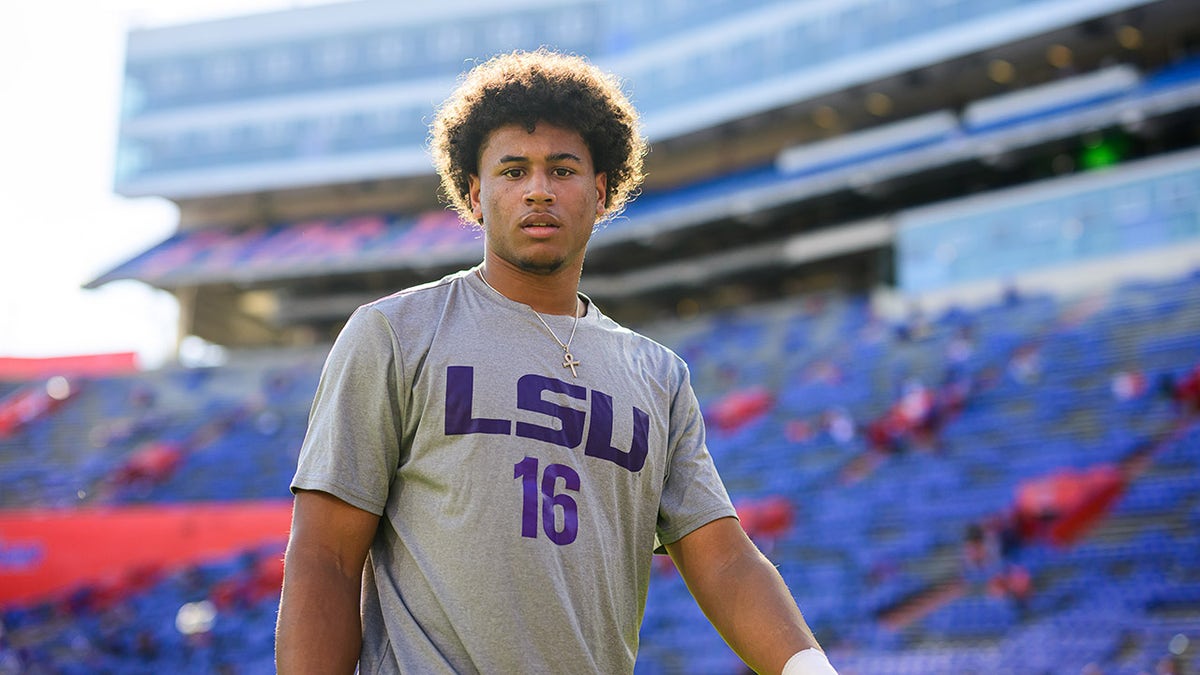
808	662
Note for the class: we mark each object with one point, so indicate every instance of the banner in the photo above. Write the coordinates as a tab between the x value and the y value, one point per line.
45	553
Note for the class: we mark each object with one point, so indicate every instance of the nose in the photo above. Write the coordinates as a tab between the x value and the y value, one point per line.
539	189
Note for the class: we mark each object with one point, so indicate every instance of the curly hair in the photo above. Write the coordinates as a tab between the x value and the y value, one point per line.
525	88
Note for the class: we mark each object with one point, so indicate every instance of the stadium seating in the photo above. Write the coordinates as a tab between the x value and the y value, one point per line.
1055	110
1061	415
875	551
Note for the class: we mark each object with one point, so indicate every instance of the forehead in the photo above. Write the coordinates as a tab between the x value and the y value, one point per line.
545	141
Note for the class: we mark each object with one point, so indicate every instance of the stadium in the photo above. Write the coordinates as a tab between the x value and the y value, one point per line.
934	266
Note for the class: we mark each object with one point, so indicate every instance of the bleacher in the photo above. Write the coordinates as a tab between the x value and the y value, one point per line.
862	546
228	625
1040	114
237	425
693	66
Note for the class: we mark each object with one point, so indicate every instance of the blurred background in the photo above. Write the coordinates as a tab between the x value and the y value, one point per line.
935	265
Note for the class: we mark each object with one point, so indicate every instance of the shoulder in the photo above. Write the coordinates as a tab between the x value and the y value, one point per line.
650	353
401	317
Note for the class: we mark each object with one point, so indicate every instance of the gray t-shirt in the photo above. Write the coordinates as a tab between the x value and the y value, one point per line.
520	504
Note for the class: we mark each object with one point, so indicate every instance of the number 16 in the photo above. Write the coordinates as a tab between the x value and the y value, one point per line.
527	471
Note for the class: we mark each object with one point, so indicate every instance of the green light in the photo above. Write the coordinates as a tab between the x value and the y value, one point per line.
1103	151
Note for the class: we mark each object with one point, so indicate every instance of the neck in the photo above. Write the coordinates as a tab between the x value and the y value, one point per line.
554	293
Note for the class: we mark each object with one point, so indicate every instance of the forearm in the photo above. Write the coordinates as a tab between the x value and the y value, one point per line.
320	626
748	602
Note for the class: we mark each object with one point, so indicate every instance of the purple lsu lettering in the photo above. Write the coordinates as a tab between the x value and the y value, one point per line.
460	417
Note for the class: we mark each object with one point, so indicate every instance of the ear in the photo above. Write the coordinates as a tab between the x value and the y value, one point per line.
473	195
601	194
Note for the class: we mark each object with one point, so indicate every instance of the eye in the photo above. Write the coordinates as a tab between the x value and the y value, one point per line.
513	172
563	172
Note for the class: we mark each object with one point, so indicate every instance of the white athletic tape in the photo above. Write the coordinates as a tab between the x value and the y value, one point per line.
808	662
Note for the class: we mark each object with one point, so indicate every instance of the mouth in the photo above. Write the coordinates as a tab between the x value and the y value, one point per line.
540	225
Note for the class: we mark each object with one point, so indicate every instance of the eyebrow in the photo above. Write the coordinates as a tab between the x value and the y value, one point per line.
556	157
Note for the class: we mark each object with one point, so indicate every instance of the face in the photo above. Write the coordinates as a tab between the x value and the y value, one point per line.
538	197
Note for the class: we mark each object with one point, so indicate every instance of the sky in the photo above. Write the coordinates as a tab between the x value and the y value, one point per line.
61	224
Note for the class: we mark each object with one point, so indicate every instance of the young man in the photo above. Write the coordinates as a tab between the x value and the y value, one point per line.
490	461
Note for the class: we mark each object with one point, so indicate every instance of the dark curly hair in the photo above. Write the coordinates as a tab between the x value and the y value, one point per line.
540	86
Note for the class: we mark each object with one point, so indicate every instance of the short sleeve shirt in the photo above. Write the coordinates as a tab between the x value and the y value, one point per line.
520	503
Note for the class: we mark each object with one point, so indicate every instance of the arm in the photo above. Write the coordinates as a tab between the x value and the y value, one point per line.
320	626
742	594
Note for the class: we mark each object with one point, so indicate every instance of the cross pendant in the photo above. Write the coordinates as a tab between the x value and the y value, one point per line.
570	362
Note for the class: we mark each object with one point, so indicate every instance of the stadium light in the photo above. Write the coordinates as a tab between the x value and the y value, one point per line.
879	104
1059	56
1129	37
1001	71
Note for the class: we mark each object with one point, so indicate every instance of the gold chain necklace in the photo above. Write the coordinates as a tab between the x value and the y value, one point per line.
569	361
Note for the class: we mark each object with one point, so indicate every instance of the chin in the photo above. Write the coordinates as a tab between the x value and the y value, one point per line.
542	266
